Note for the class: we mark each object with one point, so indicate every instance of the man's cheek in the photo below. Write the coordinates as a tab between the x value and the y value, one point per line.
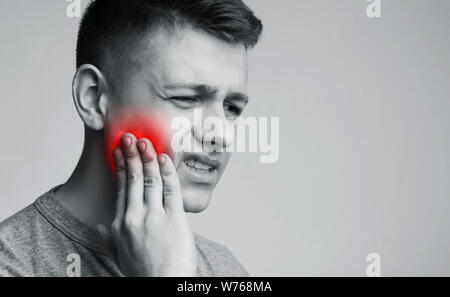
142	124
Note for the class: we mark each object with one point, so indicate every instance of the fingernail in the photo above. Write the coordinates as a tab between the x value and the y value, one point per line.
142	146
127	141
161	159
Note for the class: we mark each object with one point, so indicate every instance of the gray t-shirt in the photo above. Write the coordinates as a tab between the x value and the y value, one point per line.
45	239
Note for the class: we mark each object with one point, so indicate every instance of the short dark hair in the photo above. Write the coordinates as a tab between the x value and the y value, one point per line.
110	29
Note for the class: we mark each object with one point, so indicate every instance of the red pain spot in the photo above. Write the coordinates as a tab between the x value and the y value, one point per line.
142	125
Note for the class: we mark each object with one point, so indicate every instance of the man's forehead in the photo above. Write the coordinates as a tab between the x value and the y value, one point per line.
167	39
193	57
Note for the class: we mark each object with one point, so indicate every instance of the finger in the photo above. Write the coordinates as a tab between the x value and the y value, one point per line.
171	184
134	178
119	162
152	177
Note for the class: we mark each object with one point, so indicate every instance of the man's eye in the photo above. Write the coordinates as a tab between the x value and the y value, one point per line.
232	110
185	101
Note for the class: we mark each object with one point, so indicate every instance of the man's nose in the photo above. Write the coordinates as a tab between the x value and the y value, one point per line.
215	131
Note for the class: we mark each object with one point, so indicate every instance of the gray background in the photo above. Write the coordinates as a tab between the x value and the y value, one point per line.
364	109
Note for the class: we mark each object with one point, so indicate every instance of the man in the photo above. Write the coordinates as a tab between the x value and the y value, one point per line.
141	64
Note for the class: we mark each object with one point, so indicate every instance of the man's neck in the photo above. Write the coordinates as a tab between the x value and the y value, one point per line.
90	192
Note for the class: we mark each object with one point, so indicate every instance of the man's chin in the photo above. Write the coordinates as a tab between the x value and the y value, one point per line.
195	203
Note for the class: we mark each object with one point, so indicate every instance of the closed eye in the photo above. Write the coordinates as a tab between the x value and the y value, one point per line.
185	99
184	102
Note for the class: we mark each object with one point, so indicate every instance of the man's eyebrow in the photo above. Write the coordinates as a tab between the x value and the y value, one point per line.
238	97
207	89
199	88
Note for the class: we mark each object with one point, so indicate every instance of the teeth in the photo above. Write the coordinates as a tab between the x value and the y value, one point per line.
197	165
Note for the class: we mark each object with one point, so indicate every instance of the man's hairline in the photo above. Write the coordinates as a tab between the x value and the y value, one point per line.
161	31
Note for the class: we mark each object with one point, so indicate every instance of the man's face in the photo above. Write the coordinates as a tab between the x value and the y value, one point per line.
181	72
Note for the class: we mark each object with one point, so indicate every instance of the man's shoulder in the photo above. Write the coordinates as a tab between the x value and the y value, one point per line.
16	239
28	226
217	257
16	225
208	245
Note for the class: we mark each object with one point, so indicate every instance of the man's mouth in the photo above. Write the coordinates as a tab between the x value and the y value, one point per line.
198	166
200	169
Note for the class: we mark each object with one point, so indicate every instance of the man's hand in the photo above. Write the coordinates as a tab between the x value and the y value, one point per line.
150	231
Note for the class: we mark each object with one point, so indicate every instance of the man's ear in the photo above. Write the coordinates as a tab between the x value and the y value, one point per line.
90	95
